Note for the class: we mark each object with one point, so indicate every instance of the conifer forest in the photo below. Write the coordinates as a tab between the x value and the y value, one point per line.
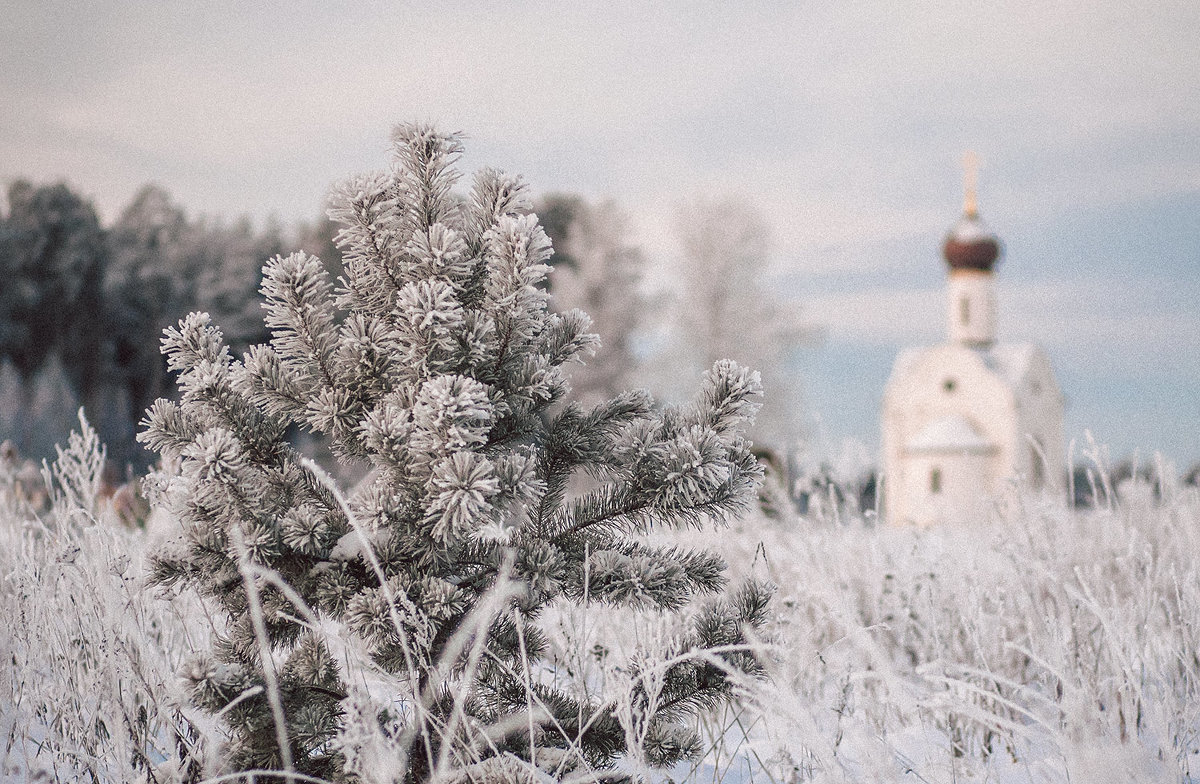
383	498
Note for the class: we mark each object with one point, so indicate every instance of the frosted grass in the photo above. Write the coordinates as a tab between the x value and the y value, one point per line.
1040	645
88	656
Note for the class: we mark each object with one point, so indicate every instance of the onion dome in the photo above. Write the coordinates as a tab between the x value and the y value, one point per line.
970	245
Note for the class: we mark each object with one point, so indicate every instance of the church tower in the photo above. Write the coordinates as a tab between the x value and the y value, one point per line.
963	419
971	251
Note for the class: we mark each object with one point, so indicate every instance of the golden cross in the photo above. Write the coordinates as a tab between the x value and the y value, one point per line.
970	180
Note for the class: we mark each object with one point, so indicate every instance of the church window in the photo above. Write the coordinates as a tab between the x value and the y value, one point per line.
964	310
949	385
935	481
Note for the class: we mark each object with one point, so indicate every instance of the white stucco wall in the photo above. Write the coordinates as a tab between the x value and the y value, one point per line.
1040	419
971	307
957	499
1004	392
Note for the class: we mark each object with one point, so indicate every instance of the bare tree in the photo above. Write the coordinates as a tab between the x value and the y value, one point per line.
725	308
599	271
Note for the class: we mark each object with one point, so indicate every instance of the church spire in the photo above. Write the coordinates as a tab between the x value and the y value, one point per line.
970	180
970	245
971	251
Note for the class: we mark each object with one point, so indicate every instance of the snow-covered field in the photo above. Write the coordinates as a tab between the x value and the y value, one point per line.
1041	645
88	689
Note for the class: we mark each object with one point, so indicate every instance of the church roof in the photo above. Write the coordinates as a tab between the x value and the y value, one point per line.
949	434
970	245
1009	361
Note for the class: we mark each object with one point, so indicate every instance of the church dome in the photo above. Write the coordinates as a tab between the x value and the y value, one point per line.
971	245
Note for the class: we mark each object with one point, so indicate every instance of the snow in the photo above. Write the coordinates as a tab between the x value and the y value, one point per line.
1047	645
350	547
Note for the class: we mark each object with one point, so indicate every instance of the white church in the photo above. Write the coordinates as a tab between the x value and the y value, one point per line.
964	419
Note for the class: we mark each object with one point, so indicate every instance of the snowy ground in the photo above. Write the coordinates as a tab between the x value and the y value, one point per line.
1041	645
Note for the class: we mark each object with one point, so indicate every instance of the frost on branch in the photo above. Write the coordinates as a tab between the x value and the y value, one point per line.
436	364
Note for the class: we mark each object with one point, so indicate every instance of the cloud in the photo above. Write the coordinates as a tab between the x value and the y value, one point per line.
1129	327
880	316
842	122
831	113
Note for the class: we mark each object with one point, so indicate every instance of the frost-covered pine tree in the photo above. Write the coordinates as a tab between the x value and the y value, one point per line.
438	365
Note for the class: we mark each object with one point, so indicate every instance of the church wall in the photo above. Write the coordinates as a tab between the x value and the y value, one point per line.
918	395
1040	408
944	488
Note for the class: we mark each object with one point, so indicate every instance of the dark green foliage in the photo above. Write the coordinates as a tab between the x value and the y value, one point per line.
96	300
51	257
436	363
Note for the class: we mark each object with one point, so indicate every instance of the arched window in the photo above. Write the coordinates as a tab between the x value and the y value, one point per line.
935	481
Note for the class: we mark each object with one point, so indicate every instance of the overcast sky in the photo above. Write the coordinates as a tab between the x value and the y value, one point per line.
843	122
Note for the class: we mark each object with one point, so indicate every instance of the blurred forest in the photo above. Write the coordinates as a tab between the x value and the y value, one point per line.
83	305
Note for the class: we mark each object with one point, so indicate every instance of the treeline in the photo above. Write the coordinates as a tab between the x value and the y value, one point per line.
83	305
